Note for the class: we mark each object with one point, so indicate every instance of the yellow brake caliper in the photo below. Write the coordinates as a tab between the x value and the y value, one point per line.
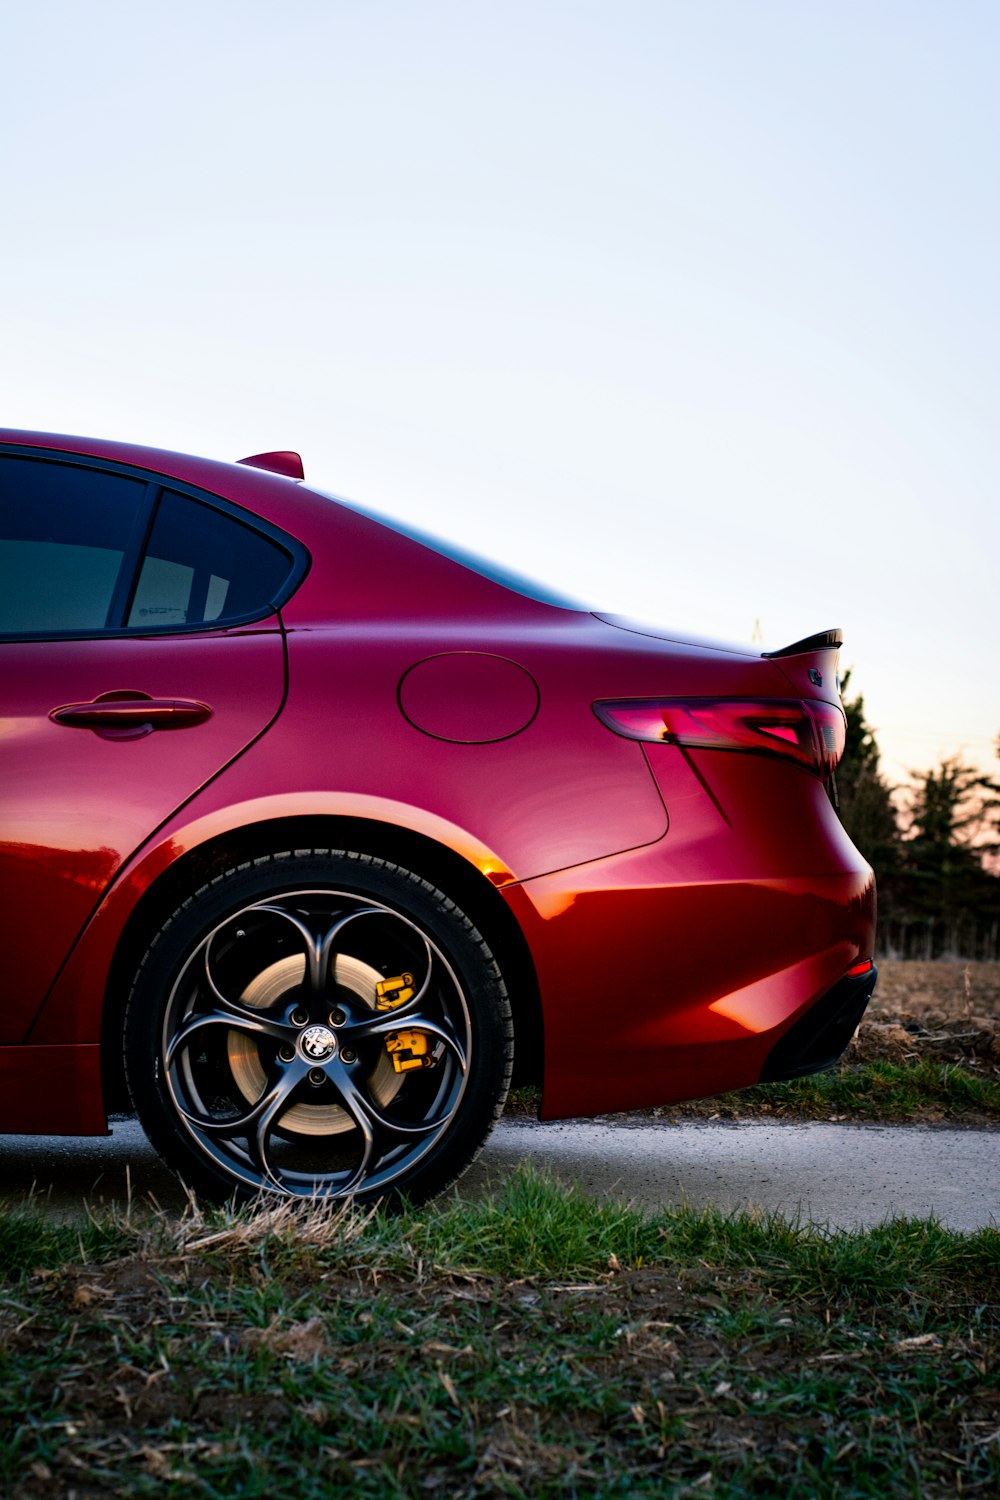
390	994
408	1049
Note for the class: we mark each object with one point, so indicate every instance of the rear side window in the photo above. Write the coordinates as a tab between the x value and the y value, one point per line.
87	551
203	567
64	535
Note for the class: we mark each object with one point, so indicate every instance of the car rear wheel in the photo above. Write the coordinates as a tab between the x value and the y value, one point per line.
318	1023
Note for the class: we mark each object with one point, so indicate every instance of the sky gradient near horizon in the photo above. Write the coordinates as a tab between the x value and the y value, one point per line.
691	310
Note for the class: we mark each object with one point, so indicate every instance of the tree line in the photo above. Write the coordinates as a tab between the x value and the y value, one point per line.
934	845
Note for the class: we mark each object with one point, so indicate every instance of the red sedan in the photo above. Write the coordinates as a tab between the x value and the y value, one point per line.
314	829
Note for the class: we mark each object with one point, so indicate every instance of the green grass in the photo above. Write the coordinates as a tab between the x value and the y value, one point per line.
534	1344
874	1091
878	1091
30	1238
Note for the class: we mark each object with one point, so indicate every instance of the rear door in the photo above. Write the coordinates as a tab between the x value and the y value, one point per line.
140	652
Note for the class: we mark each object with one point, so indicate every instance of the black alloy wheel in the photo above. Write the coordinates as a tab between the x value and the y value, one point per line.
318	1024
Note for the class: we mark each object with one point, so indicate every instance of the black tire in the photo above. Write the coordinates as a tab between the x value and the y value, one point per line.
318	1023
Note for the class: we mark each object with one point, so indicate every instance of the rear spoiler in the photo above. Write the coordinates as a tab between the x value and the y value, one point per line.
822	640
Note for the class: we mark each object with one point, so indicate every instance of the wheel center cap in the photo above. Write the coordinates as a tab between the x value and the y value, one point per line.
318	1043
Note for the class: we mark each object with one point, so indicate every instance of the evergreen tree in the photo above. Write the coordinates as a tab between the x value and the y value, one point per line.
990	836
866	808
944	817
947	850
938	864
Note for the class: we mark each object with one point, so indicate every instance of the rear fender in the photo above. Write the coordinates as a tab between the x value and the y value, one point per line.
72	1011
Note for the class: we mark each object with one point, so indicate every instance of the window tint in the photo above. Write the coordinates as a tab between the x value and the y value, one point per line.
63	535
203	567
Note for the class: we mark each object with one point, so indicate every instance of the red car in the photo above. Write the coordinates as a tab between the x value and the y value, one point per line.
314	828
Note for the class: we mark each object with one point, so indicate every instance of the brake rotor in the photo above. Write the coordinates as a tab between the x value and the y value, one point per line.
265	990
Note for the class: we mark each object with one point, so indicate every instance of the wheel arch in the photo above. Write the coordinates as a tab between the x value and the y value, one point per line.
424	856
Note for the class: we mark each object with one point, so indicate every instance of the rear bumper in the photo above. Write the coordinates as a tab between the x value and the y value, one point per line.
656	990
818	1038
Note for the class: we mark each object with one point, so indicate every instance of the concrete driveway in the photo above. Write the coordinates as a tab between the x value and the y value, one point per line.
839	1175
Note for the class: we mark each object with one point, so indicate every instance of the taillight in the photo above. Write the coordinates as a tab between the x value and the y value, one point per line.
810	733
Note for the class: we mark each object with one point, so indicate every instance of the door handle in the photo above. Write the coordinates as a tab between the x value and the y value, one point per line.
131	715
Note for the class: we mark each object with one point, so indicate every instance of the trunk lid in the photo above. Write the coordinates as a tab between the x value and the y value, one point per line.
812	665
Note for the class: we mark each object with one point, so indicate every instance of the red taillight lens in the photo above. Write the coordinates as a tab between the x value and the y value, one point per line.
809	733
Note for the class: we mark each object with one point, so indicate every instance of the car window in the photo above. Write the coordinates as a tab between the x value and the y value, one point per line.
203	567
64	531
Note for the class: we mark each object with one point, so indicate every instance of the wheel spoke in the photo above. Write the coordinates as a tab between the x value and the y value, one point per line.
317	949
386	1133
326	943
314	970
234	1018
269	1117
351	1099
265	1109
404	1019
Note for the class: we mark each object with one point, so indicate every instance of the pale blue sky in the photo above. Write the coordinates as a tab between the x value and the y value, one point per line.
690	309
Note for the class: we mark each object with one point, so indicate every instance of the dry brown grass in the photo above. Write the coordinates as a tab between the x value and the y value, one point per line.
933	992
946	1011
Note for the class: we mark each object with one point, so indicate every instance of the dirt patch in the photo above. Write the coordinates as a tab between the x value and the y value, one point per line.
947	1012
936	992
